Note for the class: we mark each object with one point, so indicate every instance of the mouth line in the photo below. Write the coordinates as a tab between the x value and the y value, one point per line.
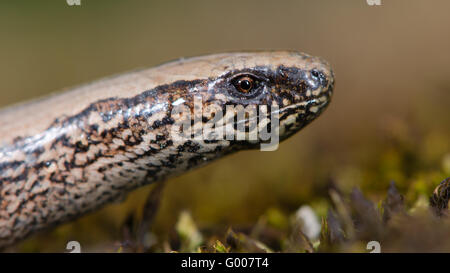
303	105
297	106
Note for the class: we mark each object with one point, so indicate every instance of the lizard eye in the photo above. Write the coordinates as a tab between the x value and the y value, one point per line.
244	84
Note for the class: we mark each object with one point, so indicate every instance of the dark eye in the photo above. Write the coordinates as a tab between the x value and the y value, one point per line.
244	83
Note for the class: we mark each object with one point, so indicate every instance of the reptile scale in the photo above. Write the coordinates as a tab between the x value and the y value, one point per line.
70	153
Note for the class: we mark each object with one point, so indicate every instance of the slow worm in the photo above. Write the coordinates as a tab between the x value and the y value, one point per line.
72	152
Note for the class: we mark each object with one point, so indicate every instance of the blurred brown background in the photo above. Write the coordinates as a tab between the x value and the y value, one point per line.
390	108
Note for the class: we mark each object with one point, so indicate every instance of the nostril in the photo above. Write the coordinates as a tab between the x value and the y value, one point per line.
319	77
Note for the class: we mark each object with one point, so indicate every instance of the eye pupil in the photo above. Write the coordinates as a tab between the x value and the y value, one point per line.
245	85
